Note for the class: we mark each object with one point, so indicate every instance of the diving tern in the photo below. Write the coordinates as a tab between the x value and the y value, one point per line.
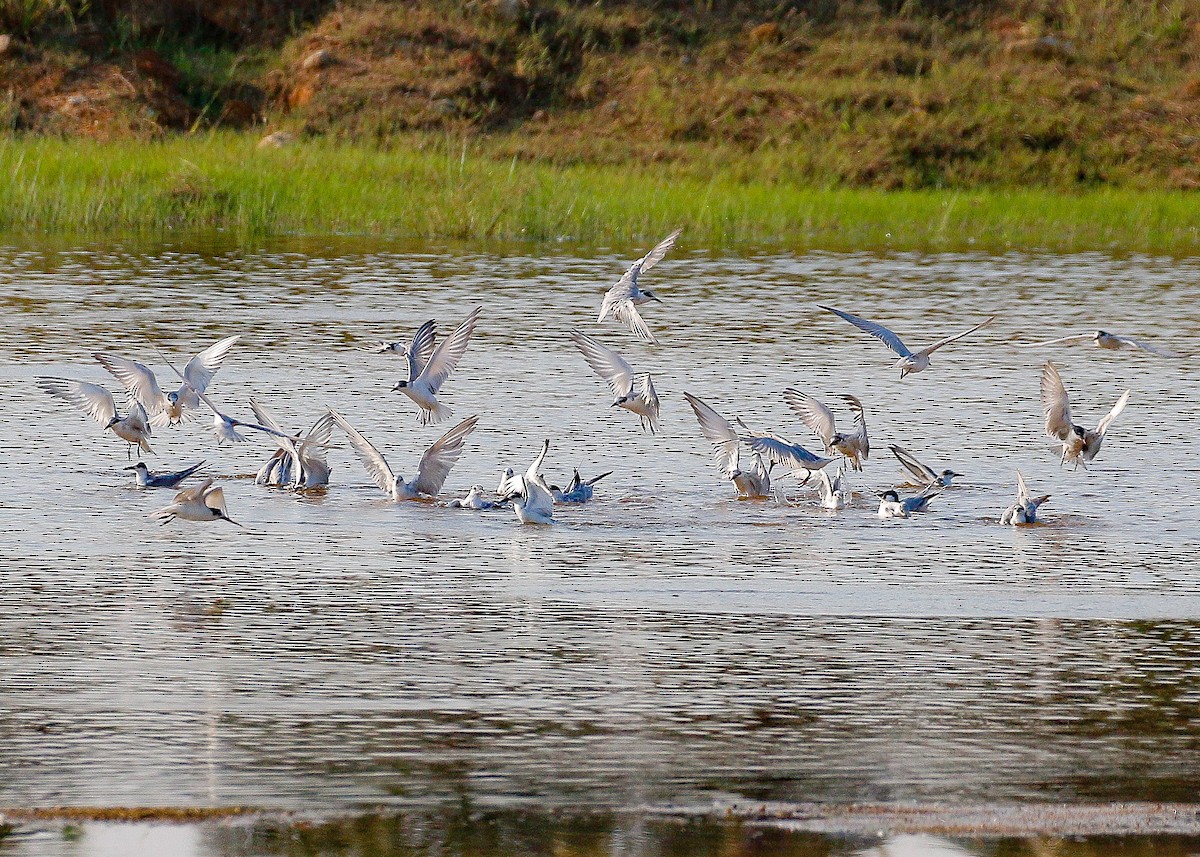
98	403
430	366
853	445
623	299
910	361
614	370
726	449
1079	445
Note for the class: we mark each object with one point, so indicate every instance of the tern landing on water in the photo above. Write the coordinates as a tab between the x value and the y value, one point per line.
579	490
178	405
201	503
924	474
431	472
430	366
147	478
835	493
726	449
891	506
623	299
532	503
98	403
1106	340
1024	511
618	374
791	455
299	465
910	361
1079	445
853	445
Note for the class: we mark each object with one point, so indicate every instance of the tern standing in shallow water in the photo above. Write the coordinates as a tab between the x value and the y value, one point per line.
98	403
179	405
623	299
726	443
147	478
853	445
429	367
431	472
1024	511
614	370
910	361
201	503
1079	445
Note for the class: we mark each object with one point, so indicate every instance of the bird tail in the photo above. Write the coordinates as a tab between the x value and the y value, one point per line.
596	479
438	413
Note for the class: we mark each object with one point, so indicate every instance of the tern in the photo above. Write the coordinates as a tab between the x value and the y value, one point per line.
924	474
532	503
1024	511
792	455
178	405
301	464
474	500
618	374
430	366
225	427
147	478
201	503
835	493
1106	340
623	299
98	403
579	490
853	445
910	361
726	446
1079	445
891	506
431	472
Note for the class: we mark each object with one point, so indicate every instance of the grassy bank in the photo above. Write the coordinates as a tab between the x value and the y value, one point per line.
454	189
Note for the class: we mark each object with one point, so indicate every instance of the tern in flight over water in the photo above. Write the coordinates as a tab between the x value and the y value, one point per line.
176	406
98	403
1024	511
430	366
853	445
615	371
1104	339
726	450
1079	445
204	502
623	299
910	361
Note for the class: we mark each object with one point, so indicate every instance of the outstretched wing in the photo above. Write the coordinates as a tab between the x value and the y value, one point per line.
439	458
1144	346
923	473
1113	414
138	381
92	399
1072	339
860	423
375	464
649	395
421	350
880	332
608	364
661	249
626	313
1055	405
792	455
280	438
812	413
1022	489
447	354
719	431
534	473
200	370
942	342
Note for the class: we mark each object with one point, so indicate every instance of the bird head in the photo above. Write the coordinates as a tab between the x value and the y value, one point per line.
139	467
619	402
891	495
113	422
400	385
651	295
1100	334
173	397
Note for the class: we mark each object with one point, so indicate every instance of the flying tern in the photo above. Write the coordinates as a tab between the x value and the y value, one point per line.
147	478
891	506
430	366
1079	445
910	361
1106	340
178	405
1024	511
204	502
924	474
98	403
792	455
623	299
431	472
579	490
618	374
726	449
853	445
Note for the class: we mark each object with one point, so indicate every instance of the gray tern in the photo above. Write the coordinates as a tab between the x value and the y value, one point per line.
853	445
305	465
910	361
1104	339
726	449
618	374
147	478
1079	445
178	405
579	490
430	366
98	403
891	506
923	473
623	299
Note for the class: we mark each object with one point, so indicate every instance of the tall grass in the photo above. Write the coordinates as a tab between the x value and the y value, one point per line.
447	189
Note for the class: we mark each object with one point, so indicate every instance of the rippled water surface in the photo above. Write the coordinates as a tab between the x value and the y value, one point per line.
666	643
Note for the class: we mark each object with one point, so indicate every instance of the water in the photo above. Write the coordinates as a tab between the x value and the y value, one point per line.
666	644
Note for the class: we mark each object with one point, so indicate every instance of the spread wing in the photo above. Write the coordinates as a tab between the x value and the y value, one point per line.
608	364
423	344
719	431
1023	495
920	471
214	498
812	413
792	455
661	249
92	399
860	422
439	458
200	370
1055	405
316	441
187	495
1114	413
137	380
1072	339
880	332
376	465
266	420
650	397
943	342
534	473
1144	346
445	356
626	313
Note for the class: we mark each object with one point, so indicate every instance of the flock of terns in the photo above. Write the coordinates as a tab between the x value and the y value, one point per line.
299	459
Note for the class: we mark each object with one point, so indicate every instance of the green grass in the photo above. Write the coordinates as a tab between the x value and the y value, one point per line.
442	188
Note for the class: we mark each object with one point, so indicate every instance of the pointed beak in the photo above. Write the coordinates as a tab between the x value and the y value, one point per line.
655	298
397	388
130	468
231	520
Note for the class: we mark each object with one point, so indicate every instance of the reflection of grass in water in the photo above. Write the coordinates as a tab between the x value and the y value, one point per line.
444	189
